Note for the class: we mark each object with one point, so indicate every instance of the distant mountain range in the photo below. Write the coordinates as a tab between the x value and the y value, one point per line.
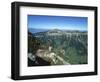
32	30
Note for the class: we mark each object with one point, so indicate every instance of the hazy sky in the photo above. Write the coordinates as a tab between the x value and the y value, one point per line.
57	22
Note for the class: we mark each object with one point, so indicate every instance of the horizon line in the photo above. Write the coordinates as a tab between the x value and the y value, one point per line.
58	29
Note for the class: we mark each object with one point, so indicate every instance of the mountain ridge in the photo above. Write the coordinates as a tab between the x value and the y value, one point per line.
32	30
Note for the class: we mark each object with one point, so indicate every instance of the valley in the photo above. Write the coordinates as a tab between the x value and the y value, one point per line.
58	47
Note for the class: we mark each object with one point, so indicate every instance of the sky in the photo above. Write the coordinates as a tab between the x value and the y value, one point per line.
57	22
